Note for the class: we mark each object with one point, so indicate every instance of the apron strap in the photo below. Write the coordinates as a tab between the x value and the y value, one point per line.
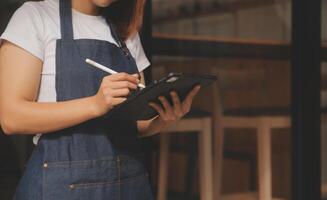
118	39
115	34
66	22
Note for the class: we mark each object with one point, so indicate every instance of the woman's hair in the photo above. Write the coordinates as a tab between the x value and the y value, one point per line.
126	15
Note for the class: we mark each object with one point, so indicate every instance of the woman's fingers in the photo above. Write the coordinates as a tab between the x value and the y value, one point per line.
178	109
177	104
158	109
189	99
136	76
116	101
117	92
166	105
123	77
165	111
121	84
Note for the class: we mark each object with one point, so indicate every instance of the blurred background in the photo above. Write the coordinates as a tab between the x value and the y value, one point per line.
237	141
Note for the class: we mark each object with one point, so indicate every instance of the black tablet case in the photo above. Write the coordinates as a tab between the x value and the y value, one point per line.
136	106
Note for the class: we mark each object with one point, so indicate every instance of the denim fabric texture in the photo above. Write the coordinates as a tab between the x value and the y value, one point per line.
100	159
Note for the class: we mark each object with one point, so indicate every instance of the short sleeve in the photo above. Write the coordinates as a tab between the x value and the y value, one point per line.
25	29
137	51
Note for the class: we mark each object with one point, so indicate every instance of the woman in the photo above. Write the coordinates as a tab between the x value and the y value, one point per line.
46	88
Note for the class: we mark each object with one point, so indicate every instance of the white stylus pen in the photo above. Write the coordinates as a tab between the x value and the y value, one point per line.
106	69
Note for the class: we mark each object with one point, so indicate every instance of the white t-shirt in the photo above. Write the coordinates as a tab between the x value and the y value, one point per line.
35	27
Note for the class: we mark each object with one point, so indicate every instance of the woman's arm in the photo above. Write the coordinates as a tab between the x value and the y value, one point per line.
168	114
20	74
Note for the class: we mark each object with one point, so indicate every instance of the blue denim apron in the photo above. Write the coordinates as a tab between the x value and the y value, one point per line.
98	159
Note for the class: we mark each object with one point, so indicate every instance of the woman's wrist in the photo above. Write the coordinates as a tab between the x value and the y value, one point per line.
154	126
95	109
162	123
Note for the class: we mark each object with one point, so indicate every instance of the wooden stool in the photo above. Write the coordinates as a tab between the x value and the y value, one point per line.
264	126
201	123
263	121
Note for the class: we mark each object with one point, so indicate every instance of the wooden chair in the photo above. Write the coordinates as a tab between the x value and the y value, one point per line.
263	122
195	121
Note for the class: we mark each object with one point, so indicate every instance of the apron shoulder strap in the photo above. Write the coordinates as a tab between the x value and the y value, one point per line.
118	39
114	33
66	22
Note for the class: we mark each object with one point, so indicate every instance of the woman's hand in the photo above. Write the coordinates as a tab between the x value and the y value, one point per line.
171	113
113	91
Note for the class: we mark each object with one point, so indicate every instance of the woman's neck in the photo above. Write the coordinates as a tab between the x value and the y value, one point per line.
85	6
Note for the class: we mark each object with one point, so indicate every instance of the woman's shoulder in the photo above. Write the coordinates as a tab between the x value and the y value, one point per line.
34	16
26	27
133	40
30	7
38	9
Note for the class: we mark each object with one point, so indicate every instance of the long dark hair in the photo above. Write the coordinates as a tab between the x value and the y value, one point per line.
126	15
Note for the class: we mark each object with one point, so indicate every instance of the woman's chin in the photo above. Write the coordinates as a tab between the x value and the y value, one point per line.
103	3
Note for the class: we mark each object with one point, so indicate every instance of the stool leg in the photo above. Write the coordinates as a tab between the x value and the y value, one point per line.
264	163
205	161
218	159
163	166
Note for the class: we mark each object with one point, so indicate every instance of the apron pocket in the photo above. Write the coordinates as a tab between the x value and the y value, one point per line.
127	189
62	180
104	184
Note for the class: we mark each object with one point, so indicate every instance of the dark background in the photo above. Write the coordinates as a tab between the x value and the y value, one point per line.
272	52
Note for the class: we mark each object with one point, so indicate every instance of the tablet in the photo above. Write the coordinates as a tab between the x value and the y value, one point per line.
136	107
